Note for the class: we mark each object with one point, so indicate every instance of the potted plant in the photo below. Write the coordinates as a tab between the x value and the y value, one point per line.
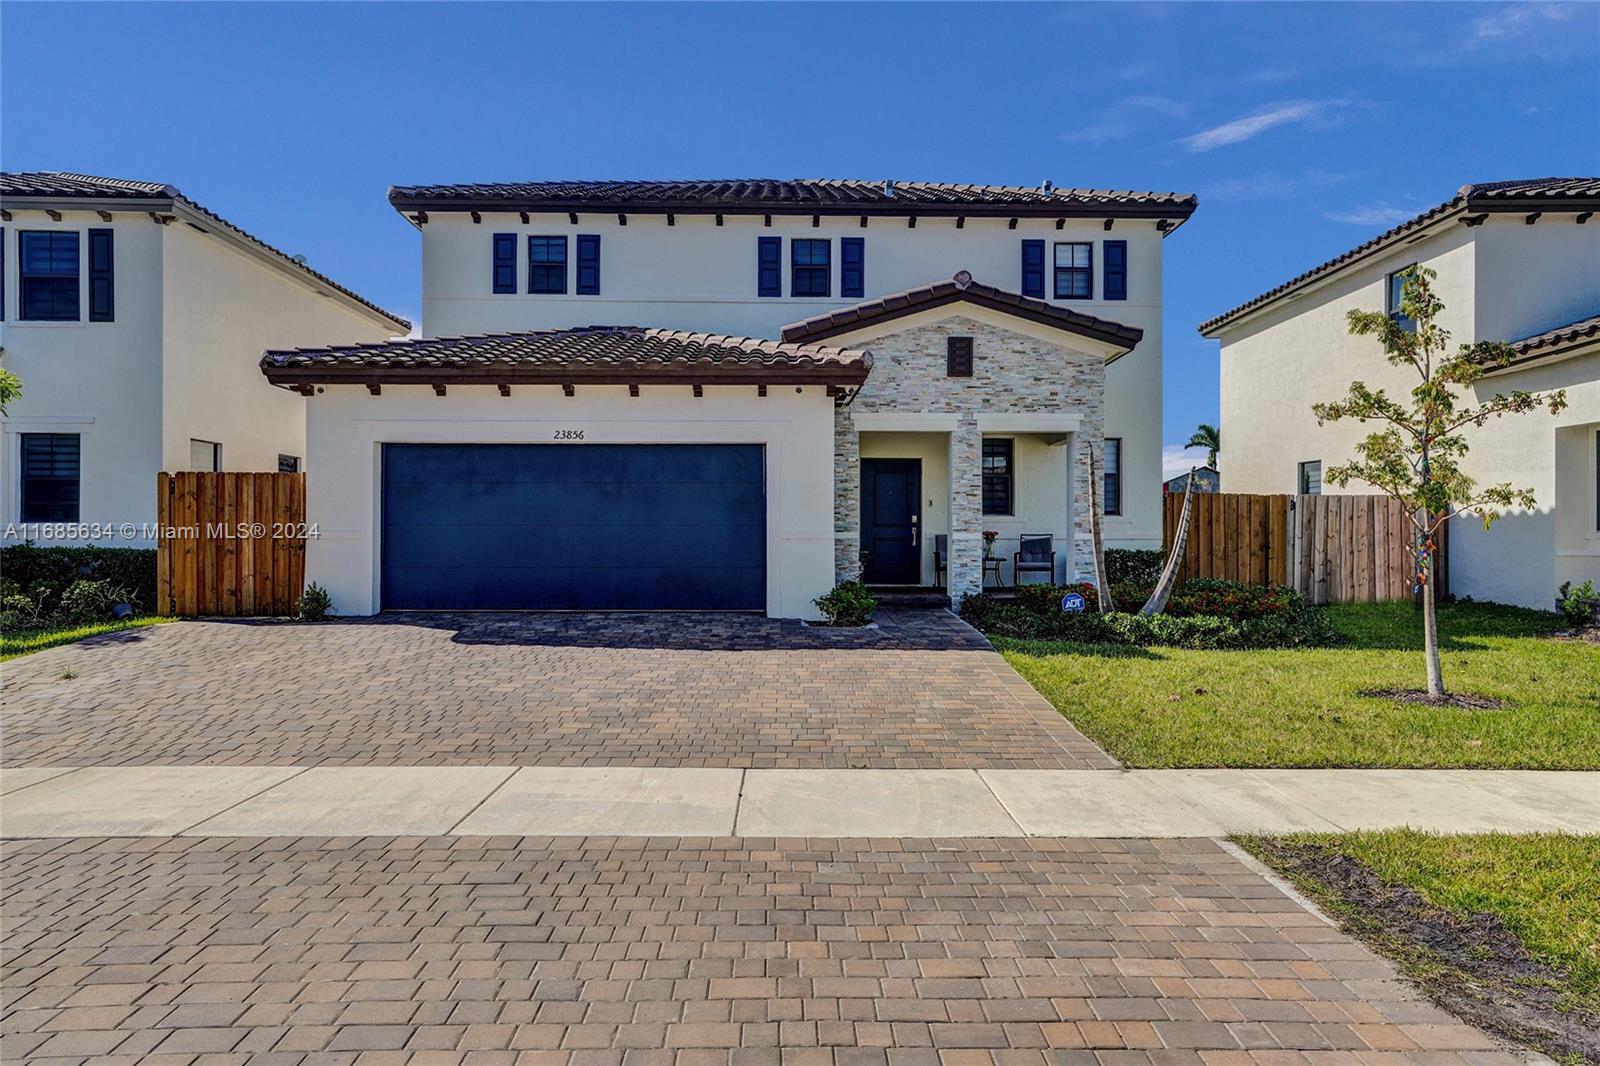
989	537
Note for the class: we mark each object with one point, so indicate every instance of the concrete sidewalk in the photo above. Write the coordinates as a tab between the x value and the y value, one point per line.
290	801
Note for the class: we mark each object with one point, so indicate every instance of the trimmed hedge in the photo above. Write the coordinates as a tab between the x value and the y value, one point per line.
45	574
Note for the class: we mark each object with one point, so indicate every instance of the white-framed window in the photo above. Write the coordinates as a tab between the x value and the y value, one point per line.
1310	478
1395	286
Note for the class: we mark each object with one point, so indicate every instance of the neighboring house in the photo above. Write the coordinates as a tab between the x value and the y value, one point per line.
1517	261
791	382
135	319
1205	480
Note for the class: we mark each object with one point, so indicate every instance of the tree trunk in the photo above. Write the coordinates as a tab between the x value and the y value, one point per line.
1430	621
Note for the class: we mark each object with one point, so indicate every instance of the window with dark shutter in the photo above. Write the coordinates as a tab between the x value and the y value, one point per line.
47	268
505	262
1112	493
1074	270
50	477
958	357
852	266
810	268
102	292
588	264
1116	268
1033	269
547	265
769	266
997	479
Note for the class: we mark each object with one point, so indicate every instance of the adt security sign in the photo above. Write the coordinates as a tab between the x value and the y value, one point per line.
1072	602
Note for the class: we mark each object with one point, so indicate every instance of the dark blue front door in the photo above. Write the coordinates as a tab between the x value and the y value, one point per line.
891	491
574	527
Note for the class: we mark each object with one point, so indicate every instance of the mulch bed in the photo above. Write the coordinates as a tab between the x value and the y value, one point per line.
1471	965
1464	700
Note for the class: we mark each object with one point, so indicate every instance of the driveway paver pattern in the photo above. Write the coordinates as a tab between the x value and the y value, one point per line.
922	690
688	952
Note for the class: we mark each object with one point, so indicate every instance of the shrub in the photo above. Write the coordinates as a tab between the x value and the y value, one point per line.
1134	567
849	604
44	574
91	601
1046	599
1580	605
1233	599
314	604
18	611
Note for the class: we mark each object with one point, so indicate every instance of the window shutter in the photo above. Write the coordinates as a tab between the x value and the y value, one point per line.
102	303
769	266
1116	258
1033	269
588	264
852	266
505	262
958	357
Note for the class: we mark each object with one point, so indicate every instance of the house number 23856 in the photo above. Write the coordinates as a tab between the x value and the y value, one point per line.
569	434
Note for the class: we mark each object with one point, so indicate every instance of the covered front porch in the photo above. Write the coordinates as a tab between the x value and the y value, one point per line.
924	487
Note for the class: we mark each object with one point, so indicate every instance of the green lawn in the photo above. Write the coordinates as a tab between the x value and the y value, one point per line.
29	641
1165	707
1544	887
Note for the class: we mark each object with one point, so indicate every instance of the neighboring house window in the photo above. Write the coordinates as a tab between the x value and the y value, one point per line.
1311	478
769	266
50	477
288	464
810	268
47	266
1112	494
588	264
997	476
958	357
1074	270
102	289
205	455
505	262
547	265
1033	269
852	266
1116	270
1397	287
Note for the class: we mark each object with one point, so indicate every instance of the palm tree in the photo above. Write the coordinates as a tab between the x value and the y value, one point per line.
1208	437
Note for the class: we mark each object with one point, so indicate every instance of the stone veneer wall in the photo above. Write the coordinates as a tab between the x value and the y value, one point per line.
1012	372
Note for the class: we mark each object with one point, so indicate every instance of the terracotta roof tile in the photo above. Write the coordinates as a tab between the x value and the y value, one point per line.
1556	341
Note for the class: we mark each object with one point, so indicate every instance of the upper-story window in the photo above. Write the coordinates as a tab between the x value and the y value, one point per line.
1074	270
958	357
1396	288
547	264
810	268
47	269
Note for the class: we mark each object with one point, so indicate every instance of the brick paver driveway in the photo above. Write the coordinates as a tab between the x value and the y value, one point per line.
923	690
608	952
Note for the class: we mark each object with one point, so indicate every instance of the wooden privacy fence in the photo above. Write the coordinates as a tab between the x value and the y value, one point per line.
1334	549
230	544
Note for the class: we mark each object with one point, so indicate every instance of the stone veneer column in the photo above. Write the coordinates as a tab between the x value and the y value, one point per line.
846	497
1085	497
966	509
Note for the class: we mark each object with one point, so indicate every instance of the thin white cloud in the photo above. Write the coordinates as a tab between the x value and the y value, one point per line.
1126	117
1255	124
1512	20
1176	460
1269	184
1380	213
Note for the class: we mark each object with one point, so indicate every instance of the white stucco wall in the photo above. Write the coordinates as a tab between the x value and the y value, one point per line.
101	380
1502	280
696	275
346	427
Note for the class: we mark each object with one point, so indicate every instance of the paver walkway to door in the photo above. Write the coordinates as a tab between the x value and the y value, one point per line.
922	690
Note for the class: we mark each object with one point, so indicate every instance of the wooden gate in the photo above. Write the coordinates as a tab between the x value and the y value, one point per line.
1334	549
230	544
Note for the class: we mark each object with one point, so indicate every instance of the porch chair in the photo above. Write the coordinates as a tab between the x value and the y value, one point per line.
941	558
1037	556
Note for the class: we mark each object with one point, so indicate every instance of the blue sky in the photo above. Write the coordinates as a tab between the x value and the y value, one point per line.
1305	128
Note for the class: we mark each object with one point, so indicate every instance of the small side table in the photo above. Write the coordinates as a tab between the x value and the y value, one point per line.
991	564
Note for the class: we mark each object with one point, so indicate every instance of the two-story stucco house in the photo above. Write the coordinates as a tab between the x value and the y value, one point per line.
1517	261
732	394
136	319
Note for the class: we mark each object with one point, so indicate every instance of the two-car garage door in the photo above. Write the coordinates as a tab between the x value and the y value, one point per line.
579	527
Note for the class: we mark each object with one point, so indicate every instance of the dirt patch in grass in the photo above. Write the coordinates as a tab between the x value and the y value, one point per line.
1464	700
1471	965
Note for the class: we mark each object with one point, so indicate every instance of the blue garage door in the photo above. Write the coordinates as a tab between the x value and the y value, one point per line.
574	527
